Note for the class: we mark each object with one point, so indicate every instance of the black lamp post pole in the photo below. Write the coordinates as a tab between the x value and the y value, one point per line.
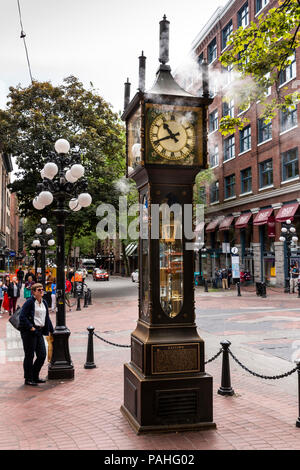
61	366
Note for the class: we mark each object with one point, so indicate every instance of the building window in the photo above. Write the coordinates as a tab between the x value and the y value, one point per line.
243	16
229	186
289	72
260	4
201	59
245	139
228	74
290	164
264	130
229	148
246	180
228	108
226	32
212	51
214	156
213	121
214	192
266	173
288	119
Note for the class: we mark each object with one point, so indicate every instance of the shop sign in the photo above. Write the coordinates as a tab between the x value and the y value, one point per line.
271	226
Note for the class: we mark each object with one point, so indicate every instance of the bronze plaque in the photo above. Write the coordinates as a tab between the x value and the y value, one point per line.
175	358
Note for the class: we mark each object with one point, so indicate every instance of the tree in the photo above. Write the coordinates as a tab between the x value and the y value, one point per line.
261	53
36	117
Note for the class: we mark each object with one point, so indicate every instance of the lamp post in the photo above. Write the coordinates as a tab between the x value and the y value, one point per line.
62	181
35	252
288	236
44	233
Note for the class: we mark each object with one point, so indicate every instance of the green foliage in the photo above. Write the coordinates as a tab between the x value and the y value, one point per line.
259	52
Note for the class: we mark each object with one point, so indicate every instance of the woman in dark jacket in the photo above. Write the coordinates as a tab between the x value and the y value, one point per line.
34	323
13	292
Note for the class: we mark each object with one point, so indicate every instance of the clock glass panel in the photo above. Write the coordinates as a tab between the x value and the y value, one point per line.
174	135
134	141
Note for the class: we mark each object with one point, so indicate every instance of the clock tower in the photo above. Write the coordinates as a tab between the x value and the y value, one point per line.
166	387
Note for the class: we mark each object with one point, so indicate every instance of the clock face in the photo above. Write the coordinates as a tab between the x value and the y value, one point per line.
172	135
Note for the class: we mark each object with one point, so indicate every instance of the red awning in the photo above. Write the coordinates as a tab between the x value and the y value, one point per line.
242	220
225	224
287	212
262	217
213	224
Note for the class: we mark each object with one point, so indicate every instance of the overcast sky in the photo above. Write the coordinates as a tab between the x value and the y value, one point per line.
98	41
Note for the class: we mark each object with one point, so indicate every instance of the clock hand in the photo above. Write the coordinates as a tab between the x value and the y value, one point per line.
165	126
167	137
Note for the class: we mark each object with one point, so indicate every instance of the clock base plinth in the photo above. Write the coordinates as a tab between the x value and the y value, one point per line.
168	403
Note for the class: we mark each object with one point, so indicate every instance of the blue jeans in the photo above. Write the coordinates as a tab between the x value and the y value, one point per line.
33	342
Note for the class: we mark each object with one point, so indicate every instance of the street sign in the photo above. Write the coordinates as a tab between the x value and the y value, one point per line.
234	250
12	253
235	263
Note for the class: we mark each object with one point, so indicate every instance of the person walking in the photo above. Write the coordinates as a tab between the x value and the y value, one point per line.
224	277
34	323
68	288
13	292
53	295
27	287
20	276
294	273
5	303
30	273
1	298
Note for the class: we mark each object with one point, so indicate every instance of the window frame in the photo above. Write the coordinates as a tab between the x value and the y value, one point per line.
214	156
230	148
244	139
212	52
264	3
213	122
246	180
294	163
229	185
230	108
226	32
241	16
261	129
285	117
292	68
263	172
214	193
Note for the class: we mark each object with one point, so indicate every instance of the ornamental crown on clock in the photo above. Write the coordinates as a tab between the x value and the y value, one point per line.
172	135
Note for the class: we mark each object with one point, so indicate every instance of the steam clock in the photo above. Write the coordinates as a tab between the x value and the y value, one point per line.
166	387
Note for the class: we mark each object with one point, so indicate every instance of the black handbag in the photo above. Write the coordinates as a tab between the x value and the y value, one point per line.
14	319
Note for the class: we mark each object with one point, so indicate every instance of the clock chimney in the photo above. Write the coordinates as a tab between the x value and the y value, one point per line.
126	93
142	72
164	40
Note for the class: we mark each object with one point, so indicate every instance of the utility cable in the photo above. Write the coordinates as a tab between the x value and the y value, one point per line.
23	36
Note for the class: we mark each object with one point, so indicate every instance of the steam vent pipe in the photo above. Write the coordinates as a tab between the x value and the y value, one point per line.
142	72
205	84
126	93
164	40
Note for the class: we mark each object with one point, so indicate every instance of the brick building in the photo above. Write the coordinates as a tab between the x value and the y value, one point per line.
257	169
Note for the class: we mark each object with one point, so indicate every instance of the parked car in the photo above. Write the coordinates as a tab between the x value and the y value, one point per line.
135	276
100	275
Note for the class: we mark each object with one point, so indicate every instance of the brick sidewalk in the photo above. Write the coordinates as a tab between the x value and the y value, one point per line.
85	413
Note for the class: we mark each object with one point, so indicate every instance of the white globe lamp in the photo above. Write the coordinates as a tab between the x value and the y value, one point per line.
85	199
37	204
38	231
69	177
62	146
50	170
48	231
46	197
77	171
51	242
43	220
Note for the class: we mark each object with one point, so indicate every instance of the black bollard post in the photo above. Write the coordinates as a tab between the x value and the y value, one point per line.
90	297
238	285
225	388
78	302
74	289
90	364
263	290
298	290
85	305
298	371
205	285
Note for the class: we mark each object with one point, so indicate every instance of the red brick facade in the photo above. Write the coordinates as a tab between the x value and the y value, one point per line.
285	184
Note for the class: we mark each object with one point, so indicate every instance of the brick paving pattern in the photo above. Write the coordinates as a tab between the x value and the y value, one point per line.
85	413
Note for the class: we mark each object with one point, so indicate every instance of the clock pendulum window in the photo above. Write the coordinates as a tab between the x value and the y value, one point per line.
166	387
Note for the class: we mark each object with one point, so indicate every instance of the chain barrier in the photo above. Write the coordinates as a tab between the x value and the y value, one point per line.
214	357
113	344
267	377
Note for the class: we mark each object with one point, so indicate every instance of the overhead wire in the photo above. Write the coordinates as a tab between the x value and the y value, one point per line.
23	36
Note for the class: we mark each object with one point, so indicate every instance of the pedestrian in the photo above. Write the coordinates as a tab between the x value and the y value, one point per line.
294	273
27	287
5	303
229	272
34	323
217	278
30	273
68	288
20	276
53	295
1	298
13	293
224	277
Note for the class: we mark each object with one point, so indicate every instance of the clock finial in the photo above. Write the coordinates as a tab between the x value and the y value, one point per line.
164	40
126	93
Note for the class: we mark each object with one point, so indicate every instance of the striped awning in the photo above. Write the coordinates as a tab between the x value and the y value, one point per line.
130	249
243	220
225	224
263	216
213	224
287	212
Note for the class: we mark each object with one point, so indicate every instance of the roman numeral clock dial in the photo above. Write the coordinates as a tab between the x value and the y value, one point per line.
172	136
